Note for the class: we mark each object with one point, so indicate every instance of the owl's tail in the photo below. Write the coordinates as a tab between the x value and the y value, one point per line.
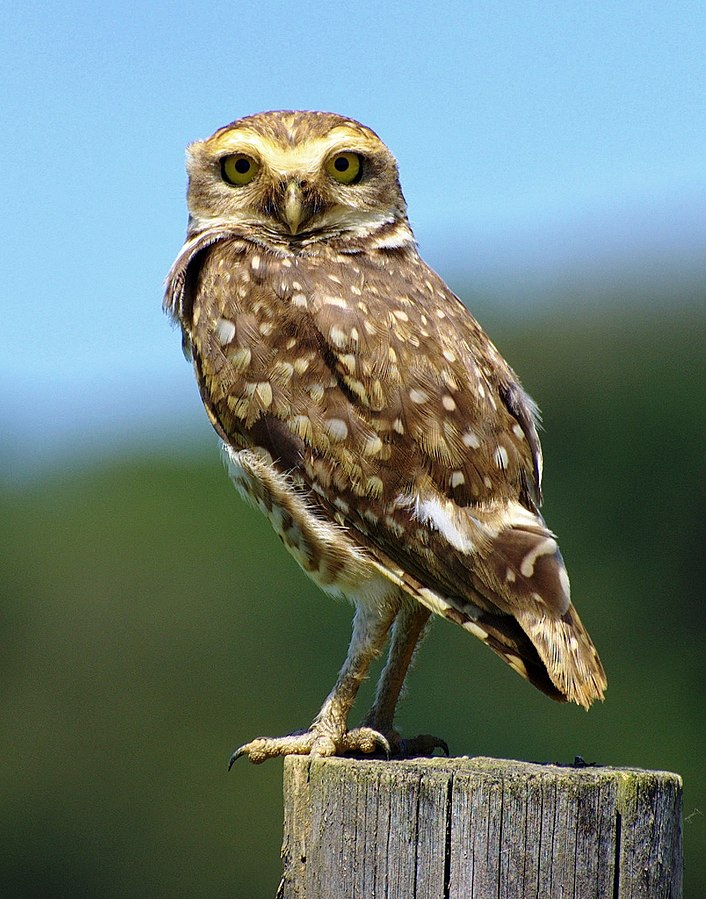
524	575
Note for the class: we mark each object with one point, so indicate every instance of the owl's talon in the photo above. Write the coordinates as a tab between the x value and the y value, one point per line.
239	753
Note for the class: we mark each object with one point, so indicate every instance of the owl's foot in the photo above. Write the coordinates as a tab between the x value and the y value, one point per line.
321	744
316	742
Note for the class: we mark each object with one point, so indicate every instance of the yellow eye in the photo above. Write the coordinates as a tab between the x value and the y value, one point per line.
345	168
239	169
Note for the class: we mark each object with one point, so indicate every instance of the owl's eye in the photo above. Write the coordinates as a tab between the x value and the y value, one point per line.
239	169
346	168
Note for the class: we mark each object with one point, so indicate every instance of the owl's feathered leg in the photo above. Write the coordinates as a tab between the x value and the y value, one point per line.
329	734
407	633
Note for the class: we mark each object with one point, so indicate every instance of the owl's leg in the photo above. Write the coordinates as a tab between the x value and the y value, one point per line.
407	632
329	734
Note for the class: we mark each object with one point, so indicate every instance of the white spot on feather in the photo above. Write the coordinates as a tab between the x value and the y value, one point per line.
546	547
338	337
264	392
374	486
348	360
433	601
335	301
473	628
439	514
240	358
517	516
501	457
337	428
372	446
225	331
418	396
516	663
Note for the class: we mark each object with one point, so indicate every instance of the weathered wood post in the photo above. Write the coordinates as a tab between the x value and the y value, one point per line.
475	828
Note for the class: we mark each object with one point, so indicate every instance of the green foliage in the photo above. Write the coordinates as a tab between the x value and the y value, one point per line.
151	623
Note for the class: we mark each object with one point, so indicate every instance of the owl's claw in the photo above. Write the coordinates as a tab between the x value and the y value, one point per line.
240	751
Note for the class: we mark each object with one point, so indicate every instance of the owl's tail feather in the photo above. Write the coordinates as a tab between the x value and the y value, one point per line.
524	574
555	655
568	653
553	652
501	632
505	637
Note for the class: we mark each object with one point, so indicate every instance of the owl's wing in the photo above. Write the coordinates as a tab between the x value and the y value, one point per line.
459	461
419	368
403	423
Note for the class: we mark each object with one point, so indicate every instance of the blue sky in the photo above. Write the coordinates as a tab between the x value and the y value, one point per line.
538	143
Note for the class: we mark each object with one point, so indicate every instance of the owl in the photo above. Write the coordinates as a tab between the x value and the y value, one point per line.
365	412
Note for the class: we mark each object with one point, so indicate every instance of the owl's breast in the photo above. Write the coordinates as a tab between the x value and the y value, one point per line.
255	350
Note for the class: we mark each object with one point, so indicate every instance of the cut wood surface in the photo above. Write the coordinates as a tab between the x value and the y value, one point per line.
475	828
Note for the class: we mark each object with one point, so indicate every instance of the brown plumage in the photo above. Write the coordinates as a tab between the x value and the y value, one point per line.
367	414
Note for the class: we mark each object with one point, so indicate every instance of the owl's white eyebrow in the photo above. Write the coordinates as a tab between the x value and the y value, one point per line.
306	157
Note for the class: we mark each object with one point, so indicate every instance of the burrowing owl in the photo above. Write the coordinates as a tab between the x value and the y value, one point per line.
369	417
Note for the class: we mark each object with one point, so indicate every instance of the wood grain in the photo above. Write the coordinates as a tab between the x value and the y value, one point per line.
474	828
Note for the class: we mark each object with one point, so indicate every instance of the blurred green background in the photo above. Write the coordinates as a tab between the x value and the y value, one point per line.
552	156
152	622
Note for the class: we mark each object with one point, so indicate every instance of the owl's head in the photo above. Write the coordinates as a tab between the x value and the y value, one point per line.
295	177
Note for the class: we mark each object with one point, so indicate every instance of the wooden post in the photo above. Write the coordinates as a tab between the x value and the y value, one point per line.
475	828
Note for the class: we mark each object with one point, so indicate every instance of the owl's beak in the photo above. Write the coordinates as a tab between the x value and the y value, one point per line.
294	208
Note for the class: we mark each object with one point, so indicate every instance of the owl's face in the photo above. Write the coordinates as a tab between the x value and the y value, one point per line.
294	177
